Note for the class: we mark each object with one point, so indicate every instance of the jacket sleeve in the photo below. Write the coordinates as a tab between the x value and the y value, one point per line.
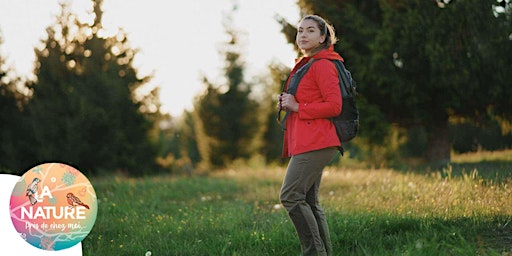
326	78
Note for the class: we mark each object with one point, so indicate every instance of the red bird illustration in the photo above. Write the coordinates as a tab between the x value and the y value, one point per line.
74	201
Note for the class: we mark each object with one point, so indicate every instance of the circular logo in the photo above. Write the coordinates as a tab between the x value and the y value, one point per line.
53	206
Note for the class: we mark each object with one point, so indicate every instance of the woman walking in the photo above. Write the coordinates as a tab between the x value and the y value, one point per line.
310	138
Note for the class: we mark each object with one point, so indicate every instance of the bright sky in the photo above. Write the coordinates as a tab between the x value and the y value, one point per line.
178	40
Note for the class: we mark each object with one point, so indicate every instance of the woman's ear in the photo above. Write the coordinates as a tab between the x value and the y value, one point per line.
322	39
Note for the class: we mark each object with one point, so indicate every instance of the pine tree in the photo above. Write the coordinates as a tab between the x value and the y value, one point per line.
227	116
85	109
272	135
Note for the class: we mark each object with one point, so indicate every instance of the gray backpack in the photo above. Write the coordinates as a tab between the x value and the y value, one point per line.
347	122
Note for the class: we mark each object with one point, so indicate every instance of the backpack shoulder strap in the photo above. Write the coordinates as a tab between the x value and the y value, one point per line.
292	87
347	84
297	76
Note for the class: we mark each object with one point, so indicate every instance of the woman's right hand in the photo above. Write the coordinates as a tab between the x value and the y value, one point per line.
288	102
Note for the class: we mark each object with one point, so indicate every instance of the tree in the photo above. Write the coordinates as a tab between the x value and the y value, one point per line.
178	149
12	102
85	108
437	62
226	113
422	62
272	134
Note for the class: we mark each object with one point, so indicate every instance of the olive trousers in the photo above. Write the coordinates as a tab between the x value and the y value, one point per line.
299	196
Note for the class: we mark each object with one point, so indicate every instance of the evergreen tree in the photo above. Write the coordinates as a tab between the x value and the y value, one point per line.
227	116
189	148
272	138
178	152
85	109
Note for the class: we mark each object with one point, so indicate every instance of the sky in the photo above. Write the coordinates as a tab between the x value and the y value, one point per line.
178	41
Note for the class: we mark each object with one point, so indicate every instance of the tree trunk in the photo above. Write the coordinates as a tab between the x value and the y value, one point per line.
438	143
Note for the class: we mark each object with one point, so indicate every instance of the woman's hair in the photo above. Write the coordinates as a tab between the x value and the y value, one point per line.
326	30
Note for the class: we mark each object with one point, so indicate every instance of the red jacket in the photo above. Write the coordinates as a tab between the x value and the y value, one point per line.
319	98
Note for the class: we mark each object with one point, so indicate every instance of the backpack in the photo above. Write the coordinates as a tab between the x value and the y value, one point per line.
347	122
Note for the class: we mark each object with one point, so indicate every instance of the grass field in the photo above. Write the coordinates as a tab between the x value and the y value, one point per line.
463	209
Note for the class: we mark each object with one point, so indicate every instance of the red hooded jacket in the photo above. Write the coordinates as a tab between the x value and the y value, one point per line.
319	99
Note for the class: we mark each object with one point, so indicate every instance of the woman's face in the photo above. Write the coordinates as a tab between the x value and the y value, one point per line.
308	36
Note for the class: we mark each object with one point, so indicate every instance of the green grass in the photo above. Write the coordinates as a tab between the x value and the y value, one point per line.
459	210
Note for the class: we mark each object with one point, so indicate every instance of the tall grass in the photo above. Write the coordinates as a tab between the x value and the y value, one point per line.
453	211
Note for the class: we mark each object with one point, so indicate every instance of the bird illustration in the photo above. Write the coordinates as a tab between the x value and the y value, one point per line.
32	191
75	201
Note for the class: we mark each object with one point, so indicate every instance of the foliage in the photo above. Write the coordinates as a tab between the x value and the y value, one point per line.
467	137
448	74
178	151
227	113
85	108
459	210
272	134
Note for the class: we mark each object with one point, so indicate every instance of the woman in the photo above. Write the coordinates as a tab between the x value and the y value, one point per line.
309	137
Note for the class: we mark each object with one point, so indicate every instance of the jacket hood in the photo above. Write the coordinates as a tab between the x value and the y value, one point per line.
328	53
